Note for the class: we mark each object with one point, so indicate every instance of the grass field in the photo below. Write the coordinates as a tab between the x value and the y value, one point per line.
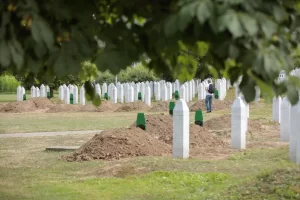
27	171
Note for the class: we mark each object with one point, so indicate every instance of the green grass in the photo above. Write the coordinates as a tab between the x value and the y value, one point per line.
39	122
8	97
27	171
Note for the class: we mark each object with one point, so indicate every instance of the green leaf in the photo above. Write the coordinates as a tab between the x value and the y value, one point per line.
235	73
249	23
233	51
97	100
205	9
249	91
170	26
293	94
279	13
5	57
213	71
185	16
268	26
230	20
41	32
17	53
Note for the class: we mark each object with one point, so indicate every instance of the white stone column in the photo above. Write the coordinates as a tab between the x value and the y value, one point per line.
114	98
238	122
294	130
170	91
43	91
181	130
158	92
61	93
19	93
120	94
82	95
67	95
204	91
131	94
276	109
33	92
285	120
200	92
190	91
75	95
164	93
148	96
182	92
98	89
37	92
104	89
187	94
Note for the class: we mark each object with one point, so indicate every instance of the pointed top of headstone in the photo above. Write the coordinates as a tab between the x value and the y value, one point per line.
181	106
238	103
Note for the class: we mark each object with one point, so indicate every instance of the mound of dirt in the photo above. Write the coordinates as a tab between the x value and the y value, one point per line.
161	127
216	105
256	127
160	107
120	143
105	106
64	108
42	103
218	123
19	107
134	106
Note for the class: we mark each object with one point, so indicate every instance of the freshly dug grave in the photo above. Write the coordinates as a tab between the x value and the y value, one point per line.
216	105
134	106
120	143
30	105
257	128
161	127
162	106
106	106
64	108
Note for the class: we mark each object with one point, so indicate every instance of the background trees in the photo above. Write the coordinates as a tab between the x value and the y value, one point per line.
253	38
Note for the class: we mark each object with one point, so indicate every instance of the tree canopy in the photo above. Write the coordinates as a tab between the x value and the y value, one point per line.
253	38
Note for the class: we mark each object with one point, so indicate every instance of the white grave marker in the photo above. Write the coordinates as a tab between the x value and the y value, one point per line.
238	124
181	130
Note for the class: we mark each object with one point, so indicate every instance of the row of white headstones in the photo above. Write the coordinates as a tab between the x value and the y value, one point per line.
128	92
288	116
160	91
34	92
181	125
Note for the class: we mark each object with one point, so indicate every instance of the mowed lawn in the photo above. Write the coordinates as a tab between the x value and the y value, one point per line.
45	122
27	171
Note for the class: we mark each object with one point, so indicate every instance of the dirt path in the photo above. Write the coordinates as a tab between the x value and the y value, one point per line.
41	134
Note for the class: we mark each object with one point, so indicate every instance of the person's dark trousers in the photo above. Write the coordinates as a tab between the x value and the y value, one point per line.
208	102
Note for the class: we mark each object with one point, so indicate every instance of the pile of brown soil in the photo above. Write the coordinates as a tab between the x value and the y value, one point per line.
257	128
218	123
64	108
30	105
216	105
161	127
120	143
106	106
134	106
162	106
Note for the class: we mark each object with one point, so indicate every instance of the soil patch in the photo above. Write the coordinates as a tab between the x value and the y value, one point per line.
216	105
30	105
161	127
64	108
120	143
160	107
134	106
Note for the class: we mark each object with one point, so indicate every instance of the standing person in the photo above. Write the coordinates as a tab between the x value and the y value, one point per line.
209	94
